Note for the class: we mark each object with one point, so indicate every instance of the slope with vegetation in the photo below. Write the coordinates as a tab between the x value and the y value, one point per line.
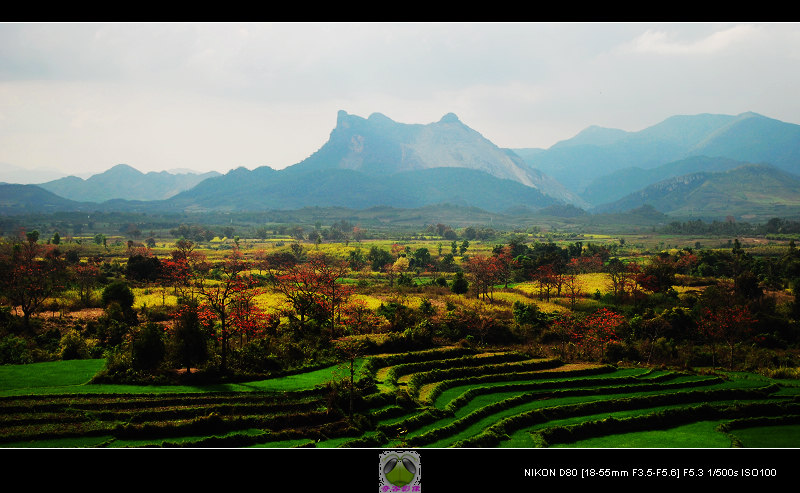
328	336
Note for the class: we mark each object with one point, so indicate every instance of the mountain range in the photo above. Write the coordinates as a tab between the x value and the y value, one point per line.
583	163
376	161
752	190
700	165
125	182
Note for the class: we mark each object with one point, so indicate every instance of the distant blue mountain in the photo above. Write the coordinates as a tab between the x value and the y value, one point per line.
581	163
751	191
376	161
125	182
618	184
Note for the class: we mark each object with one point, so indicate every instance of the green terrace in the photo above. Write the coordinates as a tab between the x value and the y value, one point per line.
446	397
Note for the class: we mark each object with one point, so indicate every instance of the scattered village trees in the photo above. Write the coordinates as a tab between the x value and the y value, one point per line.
220	311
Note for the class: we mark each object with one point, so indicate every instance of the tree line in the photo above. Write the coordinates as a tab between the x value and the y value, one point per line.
219	321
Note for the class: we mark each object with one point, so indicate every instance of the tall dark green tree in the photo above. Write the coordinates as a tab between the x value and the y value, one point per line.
188	345
460	284
143	268
379	258
420	258
147	347
118	296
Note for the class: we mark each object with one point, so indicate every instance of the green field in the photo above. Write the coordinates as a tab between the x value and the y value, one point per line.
73	377
450	397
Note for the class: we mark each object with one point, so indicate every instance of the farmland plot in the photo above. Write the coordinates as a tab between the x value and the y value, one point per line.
446	397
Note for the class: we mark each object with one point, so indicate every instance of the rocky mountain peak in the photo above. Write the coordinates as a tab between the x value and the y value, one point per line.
379	146
450	118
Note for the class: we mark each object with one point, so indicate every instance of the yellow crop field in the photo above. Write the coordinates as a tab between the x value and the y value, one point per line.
371	302
153	296
589	283
593	282
270	301
510	297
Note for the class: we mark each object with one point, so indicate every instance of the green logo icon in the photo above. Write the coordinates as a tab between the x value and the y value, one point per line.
400	469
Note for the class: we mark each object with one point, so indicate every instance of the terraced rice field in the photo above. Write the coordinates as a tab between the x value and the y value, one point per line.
447	397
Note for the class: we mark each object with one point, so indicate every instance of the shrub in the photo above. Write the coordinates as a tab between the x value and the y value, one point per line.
782	373
156	313
693	356
421	335
118	366
73	346
619	351
460	284
49	340
405	280
426	308
410	340
663	349
529	314
143	268
255	356
6	318
111	332
399	316
14	351
119	292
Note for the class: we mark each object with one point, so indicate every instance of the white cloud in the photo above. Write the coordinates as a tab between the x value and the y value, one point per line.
661	42
219	95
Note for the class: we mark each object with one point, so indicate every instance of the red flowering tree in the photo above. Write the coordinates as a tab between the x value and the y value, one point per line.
85	276
624	279
566	328
313	288
728	325
175	272
30	274
633	288
583	265
547	278
686	263
505	263
603	328
334	294
573	288
184	249
486	272
658	275
299	286
221	295
247	319
593	333
360	319
185	252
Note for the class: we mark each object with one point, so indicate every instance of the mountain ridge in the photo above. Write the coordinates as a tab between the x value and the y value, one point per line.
618	184
378	145
125	182
739	191
747	137
375	161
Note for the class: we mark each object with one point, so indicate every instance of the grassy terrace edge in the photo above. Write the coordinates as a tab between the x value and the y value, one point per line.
296	410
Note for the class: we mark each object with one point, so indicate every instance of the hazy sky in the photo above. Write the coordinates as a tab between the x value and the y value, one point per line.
82	97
